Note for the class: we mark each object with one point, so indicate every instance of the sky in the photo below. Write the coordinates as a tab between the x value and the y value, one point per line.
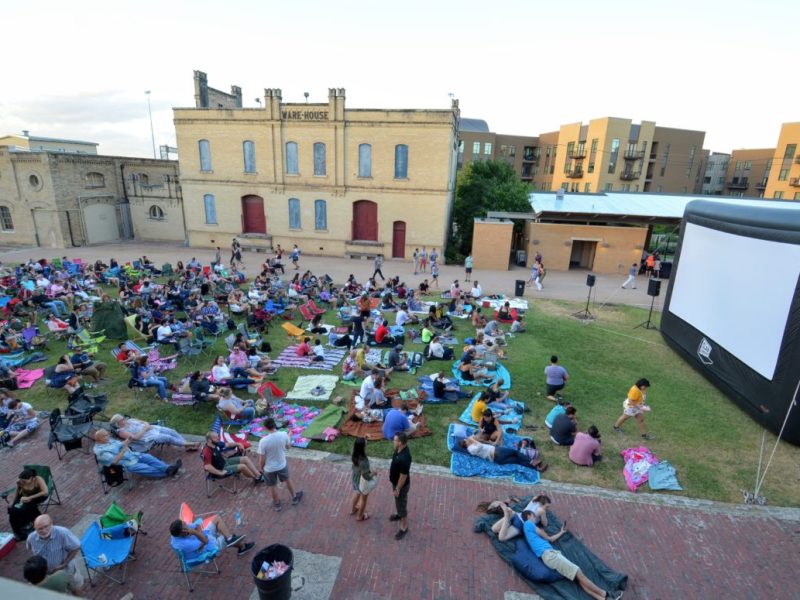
80	69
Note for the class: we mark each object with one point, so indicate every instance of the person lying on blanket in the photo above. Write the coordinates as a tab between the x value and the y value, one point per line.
540	544
511	523
502	456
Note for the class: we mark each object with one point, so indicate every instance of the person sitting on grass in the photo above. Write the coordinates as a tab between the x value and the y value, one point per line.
558	409
585	451
229	377
556	378
635	406
468	370
517	326
564	428
540	544
192	540
239	362
382	335
148	434
437	351
234	407
399	420
398	360
350	369
361	360
303	348
404	317
504	313
442	386
478	322
500	455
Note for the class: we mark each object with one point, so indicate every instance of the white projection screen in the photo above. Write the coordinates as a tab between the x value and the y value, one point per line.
737	290
732	309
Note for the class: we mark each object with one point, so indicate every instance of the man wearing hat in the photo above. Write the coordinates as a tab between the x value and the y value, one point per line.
398	360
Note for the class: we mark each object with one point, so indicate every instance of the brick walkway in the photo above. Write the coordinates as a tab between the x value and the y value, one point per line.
667	551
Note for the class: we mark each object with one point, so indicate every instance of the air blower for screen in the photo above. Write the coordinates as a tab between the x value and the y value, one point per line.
585	314
653	290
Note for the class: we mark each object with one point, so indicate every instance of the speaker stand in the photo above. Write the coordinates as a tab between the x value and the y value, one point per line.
585	314
649	323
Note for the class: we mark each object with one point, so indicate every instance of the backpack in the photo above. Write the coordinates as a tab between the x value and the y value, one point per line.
230	324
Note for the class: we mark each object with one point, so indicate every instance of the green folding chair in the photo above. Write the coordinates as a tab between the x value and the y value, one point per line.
44	472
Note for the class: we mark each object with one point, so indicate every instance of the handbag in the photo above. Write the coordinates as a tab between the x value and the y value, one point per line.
365	486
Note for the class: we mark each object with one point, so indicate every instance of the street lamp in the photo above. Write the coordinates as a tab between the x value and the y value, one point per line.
150	112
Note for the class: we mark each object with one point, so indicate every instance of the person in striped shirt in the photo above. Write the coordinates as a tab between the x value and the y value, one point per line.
59	547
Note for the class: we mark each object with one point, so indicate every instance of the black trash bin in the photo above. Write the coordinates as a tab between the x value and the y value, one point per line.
279	588
519	288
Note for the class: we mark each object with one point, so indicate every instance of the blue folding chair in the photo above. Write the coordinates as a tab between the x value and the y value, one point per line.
103	549
189	565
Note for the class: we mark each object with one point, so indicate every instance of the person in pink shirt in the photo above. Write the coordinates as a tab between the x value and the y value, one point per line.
303	349
238	359
585	450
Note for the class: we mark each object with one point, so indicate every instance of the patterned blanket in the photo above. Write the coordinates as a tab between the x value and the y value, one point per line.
498	373
289	358
511	420
295	417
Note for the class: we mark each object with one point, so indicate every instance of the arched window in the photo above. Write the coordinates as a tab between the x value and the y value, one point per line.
294	213
319	159
210	208
364	160
320	215
205	155
95	180
6	222
401	161
156	213
144	179
292	167
249	152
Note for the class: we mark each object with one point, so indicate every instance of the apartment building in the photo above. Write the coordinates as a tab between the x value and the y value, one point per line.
783	182
748	172
477	142
714	177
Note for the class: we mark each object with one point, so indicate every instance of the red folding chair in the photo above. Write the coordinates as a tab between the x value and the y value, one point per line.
315	309
306	313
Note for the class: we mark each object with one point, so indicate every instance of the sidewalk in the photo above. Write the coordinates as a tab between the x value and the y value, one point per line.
561	285
704	550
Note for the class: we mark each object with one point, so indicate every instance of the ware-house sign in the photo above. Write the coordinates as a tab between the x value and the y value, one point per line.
305	115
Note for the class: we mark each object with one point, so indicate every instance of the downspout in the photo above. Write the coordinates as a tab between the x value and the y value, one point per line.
179	195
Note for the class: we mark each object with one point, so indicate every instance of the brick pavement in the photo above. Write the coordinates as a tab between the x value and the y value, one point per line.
704	551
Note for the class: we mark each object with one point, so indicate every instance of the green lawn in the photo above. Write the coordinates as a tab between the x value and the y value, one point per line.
713	444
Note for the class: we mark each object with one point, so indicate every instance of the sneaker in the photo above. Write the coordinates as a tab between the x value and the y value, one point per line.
246	548
617	429
277	506
648	436
297	497
394	517
233	540
401	533
259	480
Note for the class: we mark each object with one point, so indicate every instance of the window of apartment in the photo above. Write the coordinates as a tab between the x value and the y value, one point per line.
570	150
95	180
527	153
692	152
204	147
720	180
461	147
747	165
592	155
684	190
144	179
609	187
210	208
660	189
401	161
783	174
476	148
587	188
487	148
636	188
796	195
156	213
364	160
612	160
320	215
665	159
6	222
706	179
778	195
790	150
294	213
553	164
626	187
547	158
292	166
526	169
320	158
738	166
249	155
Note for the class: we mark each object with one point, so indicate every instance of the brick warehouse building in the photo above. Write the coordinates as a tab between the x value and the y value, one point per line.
334	180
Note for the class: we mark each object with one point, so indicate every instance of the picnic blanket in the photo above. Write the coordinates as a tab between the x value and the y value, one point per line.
313	387
373	356
463	464
414	359
289	358
637	464
496	303
662	476
572	548
423	309
27	377
374	431
426	385
329	417
513	416
295	418
500	372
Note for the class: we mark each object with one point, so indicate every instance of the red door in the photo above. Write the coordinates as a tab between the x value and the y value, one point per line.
365	221
253	218
399	239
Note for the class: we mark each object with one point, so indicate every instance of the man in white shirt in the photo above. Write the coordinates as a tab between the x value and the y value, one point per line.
164	333
367	389
476	291
272	461
403	317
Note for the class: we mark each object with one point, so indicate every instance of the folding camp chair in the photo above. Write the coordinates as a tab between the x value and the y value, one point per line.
167	271
110	543
189	565
187	347
91	338
44	472
84	404
293	331
252	340
314	308
34	339
67	431
272	307
133	333
306	314
202	342
220	481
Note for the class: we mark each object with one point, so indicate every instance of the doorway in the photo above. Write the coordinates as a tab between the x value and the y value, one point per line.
399	239
582	255
253	218
365	221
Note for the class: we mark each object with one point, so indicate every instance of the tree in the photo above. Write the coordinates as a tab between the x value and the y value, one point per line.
483	186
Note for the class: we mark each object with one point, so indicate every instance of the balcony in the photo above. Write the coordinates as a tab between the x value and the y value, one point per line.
633	155
761	185
794	182
630	175
577	153
738	184
575	173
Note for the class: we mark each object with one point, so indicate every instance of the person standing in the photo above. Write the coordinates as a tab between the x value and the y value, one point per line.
631	277
59	547
378	265
272	461
217	257
361	472
435	274
468	267
416	260
434	257
423	260
540	273
234	249
556	378
400	478
295	257
635	406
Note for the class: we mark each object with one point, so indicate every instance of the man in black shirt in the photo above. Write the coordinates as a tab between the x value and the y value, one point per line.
400	478
564	428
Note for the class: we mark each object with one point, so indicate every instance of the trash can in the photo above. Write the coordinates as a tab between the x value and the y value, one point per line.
519	288
279	588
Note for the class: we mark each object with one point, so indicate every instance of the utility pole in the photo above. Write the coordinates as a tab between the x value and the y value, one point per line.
150	112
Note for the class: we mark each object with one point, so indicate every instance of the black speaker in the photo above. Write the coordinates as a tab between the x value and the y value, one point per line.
654	287
590	280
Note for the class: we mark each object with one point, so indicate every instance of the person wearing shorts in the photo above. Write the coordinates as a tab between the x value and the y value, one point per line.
193	541
635	406
540	544
272	461
218	465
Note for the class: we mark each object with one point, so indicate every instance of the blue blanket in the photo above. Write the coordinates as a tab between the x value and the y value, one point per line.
426	385
662	476
466	465
514	417
500	372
